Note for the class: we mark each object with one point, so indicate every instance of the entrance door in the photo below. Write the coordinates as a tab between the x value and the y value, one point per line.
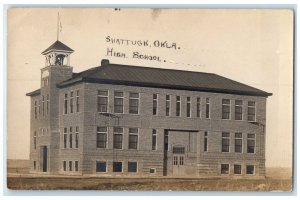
45	158
178	161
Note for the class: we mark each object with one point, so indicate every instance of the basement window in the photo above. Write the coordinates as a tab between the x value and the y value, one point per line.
117	166
152	170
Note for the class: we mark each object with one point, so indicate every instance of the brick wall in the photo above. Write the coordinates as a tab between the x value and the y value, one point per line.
204	163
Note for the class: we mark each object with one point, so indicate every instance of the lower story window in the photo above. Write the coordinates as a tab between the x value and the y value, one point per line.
117	167
237	169
76	166
100	166
65	165
224	168
132	166
70	166
250	169
34	165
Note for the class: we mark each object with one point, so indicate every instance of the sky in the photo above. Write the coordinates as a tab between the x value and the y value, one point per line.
251	46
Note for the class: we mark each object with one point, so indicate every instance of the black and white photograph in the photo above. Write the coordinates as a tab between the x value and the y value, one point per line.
150	99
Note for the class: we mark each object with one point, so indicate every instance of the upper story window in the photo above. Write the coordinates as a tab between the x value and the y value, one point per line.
178	105
118	102
225	109
35	110
77	100
133	138
207	108
134	103
118	138
65	137
250	143
198	111
154	110
168	105
72	102
43	105
101	137
225	141
102	101
34	140
251	111
238	140
47	104
188	106
66	104
238	109
154	139
76	137
71	138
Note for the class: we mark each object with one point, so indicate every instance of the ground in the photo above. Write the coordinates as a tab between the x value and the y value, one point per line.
161	184
18	177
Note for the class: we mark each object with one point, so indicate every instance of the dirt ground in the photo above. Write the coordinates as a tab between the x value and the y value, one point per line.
143	184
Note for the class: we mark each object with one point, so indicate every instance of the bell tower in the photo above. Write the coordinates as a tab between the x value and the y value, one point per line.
57	54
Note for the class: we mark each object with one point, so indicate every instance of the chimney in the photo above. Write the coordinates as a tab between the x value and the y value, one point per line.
104	62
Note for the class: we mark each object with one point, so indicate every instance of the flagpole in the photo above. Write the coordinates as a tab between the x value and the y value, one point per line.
57	25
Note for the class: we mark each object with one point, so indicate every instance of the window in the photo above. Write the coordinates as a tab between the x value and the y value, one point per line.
178	150
134	103
35	109
100	166
77	101
225	142
118	138
198	107
168	104
101	137
224	168
166	141
250	169
71	102
47	104
65	137
181	160
250	143
66	104
154	112
118	102
133	138
103	101
188	106
238	109
178	105
225	108
132	166
117	166
71	138
237	169
76	166
42	130
205	141
238	146
40	108
207	108
76	137
34	140
65	165
70	166
34	165
175	160
251	111
153	139
152	170
43	105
